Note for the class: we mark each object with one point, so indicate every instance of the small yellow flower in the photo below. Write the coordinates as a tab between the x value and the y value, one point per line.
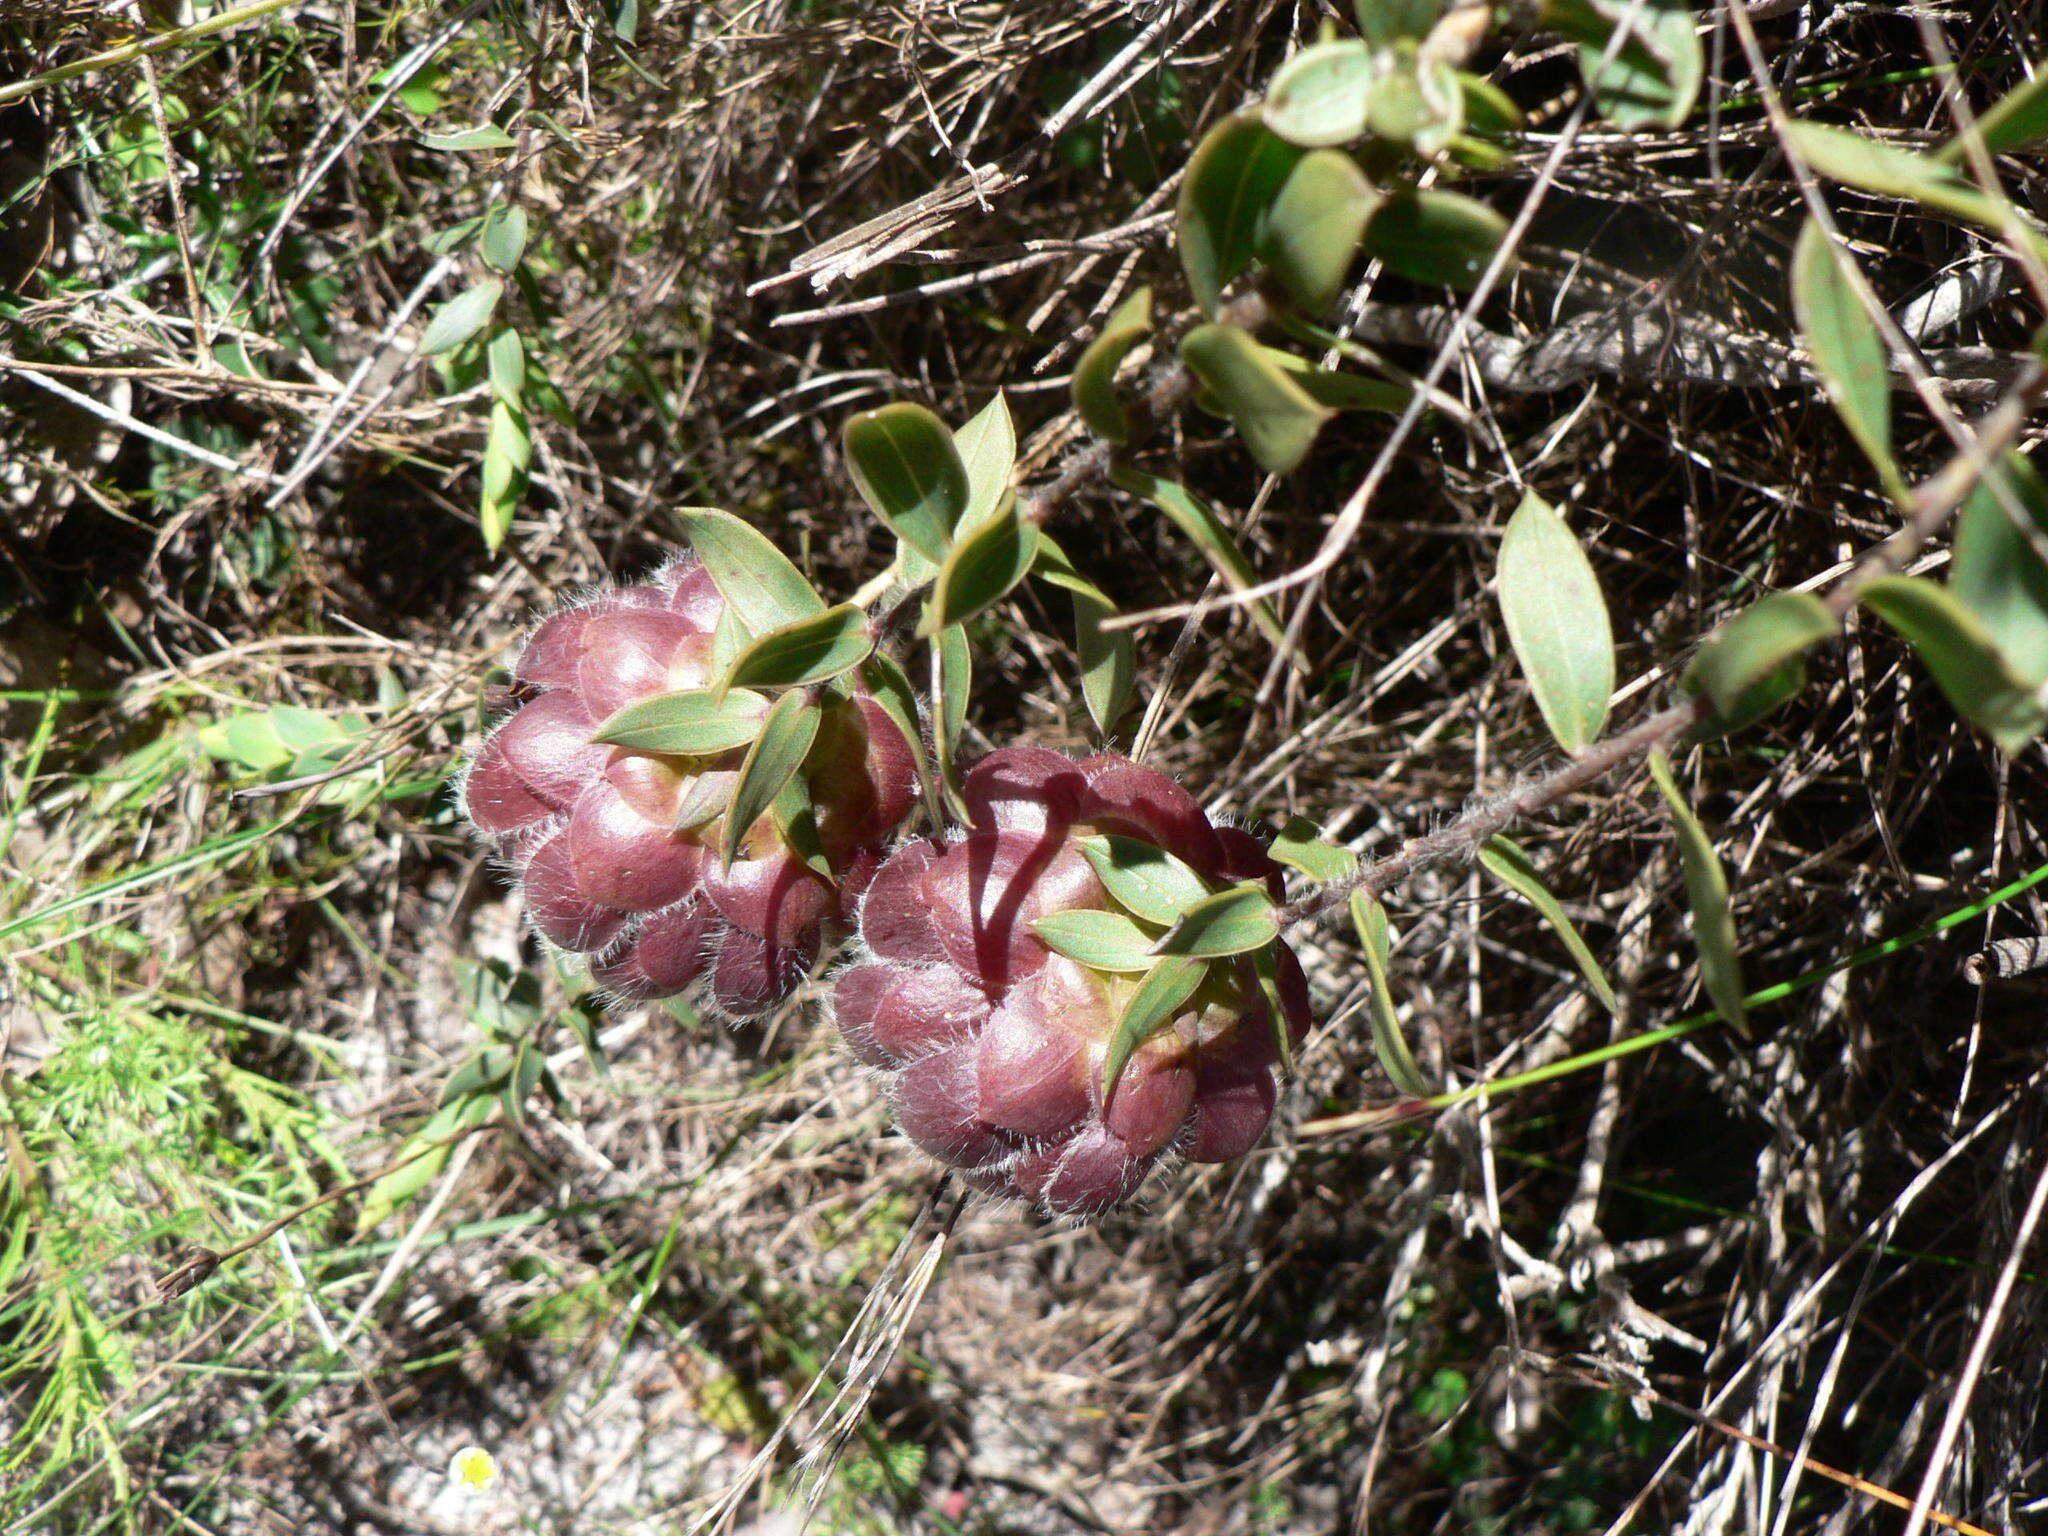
473	1468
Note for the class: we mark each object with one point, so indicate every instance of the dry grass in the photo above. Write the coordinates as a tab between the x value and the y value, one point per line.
1445	1325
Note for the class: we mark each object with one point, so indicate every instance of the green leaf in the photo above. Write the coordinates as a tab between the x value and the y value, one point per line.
506	356
909	472
786	734
250	740
507	452
1891	171
804	650
689	721
1317	225
461	318
1435	237
796	819
1300	845
987	446
1152	1006
483	136
1418	105
1149	881
1841	339
1654	78
890	687
1189	513
1753	663
1962	655
1228	923
1232	181
1388	1043
1509	865
1999	573
504	238
1108	657
1343	391
1706	889
2018	120
1388	21
756	579
1557	622
1094	383
1108	941
1488	108
953	677
1275	416
1319	96
988	560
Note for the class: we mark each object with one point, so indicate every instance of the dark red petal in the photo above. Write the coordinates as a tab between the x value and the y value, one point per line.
1033	1075
928	1008
1231	1108
558	908
987	889
671	950
548	745
895	917
857	996
1245	858
624	860
935	1106
629	655
1151	1102
891	770
1292	985
1144	803
750	976
496	798
778	898
1084	1176
1024	787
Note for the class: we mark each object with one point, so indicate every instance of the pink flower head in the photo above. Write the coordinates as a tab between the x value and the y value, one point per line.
617	851
995	1041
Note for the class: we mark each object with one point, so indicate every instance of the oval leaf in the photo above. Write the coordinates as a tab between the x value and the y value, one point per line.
461	317
987	446
785	737
1841	340
2000	573
1753	659
1435	237
1149	881
757	581
1275	416
503	240
908	470
1109	941
1189	513
1509	865
1320	95
1317	225
1706	890
690	721
1961	655
1228	923
1094	383
984	565
805	651
1300	845
483	136
1170	983
1388	1043
1231	183
1557	622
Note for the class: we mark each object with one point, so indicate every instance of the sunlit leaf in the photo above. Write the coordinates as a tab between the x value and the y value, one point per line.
1094	384
1152	1006
1317	225
1509	865
755	578
1108	657
807	650
1654	77
503	240
1301	845
1557	622
778	751
688	721
987	561
1842	341
1753	662
1275	416
1227	923
1229	189
1389	1044
1319	96
461	317
1108	941
987	446
908	470
890	687
1961	654
1149	881
1706	889
1999	573
1435	237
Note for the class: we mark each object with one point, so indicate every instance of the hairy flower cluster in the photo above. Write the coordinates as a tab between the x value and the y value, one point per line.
995	1042
617	851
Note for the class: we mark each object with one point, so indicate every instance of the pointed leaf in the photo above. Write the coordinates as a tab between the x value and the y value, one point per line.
1109	660
461	318
1435	237
1228	923
1320	95
1388	21
1317	225
889	686
1964	659
1557	622
1841	339
796	819
1275	416
1094	384
987	446
2018	120
1388	1043
786	734
1152	1006
1108	941
503	240
982	568
804	650
1192	516
1509	865
690	721
1231	183
1706	890
506	356
1753	663
2000	574
1890	171
1266	968
1300	845
484	136
952	679
1149	881
755	578
909	472
1343	391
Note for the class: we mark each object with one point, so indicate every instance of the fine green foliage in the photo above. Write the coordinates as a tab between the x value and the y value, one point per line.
1557	622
